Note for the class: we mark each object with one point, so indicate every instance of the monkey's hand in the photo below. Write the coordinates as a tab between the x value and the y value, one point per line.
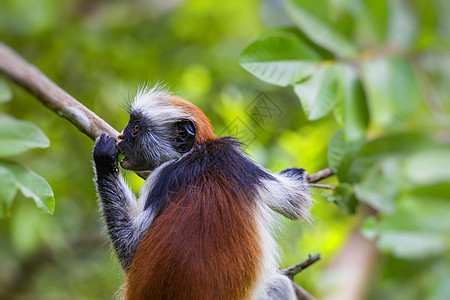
289	194
105	155
297	173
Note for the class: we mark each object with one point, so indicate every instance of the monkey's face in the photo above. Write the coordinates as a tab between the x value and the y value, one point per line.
147	143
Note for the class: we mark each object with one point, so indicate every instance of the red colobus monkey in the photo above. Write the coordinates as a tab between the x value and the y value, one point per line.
202	226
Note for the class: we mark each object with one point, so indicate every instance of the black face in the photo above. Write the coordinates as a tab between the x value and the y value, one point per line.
147	145
129	145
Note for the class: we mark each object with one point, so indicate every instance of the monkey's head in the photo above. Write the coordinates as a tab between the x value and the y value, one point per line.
162	127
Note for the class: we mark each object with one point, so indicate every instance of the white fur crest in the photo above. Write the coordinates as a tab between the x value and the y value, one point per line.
154	103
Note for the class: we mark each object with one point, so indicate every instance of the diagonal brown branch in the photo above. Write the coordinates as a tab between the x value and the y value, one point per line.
51	95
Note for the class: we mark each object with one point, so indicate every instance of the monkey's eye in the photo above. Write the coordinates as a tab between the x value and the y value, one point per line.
135	128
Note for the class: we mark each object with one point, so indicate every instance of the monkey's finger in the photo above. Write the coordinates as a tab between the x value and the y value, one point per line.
111	141
102	138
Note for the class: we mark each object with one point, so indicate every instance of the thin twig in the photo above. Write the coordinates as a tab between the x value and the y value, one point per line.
322	174
294	270
322	186
290	272
301	293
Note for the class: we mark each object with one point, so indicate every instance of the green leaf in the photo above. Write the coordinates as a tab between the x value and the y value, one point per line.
8	190
418	229
344	197
377	77
340	153
355	110
5	92
403	25
336	150
120	157
439	190
392	90
395	146
429	167
371	18
319	32
403	243
32	186
381	187
404	88
318	94
17	136
338	111
279	58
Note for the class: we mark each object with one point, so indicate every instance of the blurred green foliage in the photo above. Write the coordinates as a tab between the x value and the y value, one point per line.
372	78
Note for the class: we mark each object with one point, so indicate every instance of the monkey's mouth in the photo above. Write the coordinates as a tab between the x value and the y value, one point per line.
122	158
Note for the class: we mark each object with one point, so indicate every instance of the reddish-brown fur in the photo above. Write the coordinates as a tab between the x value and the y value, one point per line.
203	246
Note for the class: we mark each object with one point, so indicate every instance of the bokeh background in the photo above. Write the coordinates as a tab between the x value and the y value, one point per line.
102	51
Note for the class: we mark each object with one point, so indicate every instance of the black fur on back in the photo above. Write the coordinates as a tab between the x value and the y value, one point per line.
219	157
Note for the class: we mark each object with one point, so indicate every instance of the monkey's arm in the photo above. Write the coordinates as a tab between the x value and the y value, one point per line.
288	194
118	204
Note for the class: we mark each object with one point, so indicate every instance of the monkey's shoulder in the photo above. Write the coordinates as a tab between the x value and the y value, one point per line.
223	157
220	161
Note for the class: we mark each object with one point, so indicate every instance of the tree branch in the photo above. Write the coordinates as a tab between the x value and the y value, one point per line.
322	174
290	272
51	95
301	293
323	186
294	270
